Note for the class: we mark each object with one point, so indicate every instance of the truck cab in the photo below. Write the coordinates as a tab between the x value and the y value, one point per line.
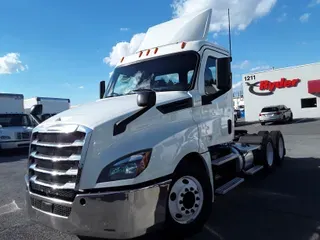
154	149
15	125
50	106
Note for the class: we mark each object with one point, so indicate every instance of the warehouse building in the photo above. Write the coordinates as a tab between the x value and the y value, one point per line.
298	88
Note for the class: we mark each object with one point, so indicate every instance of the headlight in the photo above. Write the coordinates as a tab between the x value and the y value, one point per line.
126	167
5	137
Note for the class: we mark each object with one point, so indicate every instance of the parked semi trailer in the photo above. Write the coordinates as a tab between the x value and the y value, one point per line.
50	106
15	125
154	150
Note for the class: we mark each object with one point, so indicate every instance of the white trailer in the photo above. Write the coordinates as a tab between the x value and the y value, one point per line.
50	106
154	150
15	125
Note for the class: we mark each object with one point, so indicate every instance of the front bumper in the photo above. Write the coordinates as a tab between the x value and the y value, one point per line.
115	215
14	144
270	119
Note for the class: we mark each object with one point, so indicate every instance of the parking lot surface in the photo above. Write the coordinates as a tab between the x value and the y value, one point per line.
285	205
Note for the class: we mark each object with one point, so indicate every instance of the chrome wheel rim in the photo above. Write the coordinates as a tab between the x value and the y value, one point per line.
281	148
185	200
269	154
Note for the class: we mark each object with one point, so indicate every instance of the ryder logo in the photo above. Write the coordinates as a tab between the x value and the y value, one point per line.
267	88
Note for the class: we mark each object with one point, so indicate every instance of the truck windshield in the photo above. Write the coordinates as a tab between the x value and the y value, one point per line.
168	73
15	120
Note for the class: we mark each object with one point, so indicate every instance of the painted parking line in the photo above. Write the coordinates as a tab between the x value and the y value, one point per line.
213	232
9	208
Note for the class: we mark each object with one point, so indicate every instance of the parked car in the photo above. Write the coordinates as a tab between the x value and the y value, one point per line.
276	113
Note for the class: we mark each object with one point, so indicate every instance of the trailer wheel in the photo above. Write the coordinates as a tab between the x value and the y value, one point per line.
279	146
189	202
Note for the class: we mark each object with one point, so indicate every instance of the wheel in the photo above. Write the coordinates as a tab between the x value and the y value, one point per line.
291	118
279	146
265	156
263	123
189	202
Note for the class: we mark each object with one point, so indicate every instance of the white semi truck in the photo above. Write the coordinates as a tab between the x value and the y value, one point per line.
154	150
50	106
15	125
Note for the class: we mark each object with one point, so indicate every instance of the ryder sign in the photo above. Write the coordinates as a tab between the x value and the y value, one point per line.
267	87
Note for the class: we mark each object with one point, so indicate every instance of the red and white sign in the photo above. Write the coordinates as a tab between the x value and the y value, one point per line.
283	83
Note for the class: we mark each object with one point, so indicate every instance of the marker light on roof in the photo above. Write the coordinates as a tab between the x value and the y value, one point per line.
122	59
148	52
140	54
155	50
183	44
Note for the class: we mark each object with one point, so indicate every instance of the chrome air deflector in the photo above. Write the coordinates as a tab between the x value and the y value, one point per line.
56	158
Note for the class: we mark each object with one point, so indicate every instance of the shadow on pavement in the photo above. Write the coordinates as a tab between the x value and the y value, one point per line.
283	205
13	155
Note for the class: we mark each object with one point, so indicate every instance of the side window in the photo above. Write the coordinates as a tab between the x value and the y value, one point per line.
210	76
190	75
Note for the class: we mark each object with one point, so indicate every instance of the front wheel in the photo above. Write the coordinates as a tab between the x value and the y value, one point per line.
189	202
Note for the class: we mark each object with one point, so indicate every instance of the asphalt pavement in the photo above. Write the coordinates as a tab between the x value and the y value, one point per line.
284	205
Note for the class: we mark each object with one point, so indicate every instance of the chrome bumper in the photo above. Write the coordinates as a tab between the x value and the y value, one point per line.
116	215
14	144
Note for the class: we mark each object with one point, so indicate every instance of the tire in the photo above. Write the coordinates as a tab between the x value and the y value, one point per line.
265	156
190	194
291	118
279	146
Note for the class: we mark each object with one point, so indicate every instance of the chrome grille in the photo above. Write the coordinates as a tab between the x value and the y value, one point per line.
51	208
54	163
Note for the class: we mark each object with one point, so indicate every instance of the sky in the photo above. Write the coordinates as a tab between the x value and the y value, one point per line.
65	48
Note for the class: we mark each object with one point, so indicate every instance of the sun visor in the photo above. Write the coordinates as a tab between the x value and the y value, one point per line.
192	27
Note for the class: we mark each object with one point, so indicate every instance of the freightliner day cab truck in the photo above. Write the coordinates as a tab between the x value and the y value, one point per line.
154	150
15	125
50	106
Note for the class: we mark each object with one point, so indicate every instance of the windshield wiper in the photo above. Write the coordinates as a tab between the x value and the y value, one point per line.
139	90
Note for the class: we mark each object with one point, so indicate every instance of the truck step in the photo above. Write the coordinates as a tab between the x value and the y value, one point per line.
247	148
224	159
254	170
229	185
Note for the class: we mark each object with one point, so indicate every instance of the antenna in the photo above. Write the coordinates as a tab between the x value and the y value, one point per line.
229	32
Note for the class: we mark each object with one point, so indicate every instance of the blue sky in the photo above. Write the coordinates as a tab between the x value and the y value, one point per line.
64	48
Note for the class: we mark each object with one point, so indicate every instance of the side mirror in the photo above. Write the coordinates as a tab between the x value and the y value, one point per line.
146	98
224	76
102	88
36	110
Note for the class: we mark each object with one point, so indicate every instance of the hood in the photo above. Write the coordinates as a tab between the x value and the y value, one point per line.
104	110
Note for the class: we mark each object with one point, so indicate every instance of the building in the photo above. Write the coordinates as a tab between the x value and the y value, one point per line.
296	87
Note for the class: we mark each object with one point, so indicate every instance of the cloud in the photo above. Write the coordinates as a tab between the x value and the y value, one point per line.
304	17
242	13
282	18
260	68
243	65
10	63
81	87
124	29
313	3
123	49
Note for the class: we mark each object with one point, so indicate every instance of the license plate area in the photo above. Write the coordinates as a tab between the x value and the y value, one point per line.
47	207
